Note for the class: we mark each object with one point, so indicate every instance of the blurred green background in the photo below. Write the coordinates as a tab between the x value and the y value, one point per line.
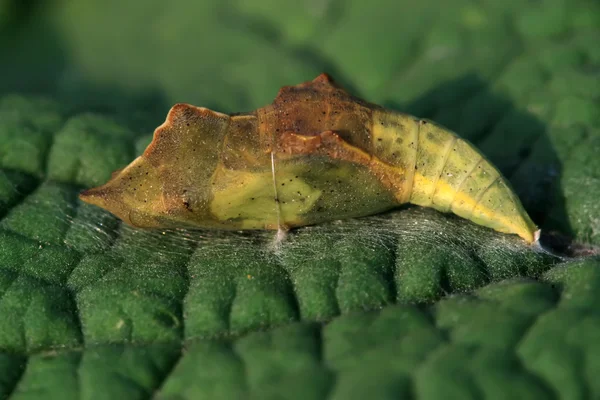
414	304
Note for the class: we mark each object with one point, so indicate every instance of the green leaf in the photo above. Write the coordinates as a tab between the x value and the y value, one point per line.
408	304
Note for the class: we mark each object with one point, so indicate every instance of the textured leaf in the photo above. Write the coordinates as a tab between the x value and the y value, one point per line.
409	304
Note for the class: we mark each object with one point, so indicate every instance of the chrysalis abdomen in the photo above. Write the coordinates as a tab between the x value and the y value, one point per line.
447	173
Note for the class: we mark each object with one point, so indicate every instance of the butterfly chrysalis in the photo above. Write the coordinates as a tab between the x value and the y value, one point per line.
315	154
